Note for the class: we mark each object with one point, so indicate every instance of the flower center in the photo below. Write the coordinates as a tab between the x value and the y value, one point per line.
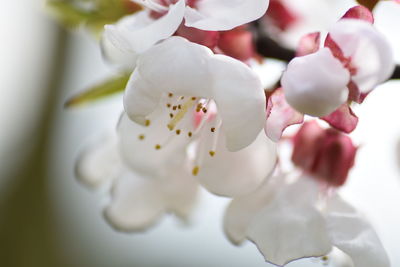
189	117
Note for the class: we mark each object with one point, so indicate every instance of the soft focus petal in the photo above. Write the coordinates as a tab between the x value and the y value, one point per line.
237	173
99	163
351	233
222	15
342	119
237	43
138	32
137	145
242	210
291	227
188	69
308	44
136	203
315	84
280	115
370	53
359	12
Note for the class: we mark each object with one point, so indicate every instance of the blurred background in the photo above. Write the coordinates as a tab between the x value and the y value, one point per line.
47	219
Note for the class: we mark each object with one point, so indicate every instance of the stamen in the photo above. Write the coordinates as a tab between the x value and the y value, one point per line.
147	123
141	137
181	113
178	132
171	115
215	138
174	107
195	170
212	153
157	147
190	134
170	95
168	105
213	129
204	110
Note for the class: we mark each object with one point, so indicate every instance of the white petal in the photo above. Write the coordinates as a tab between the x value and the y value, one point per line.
351	233
188	69
242	210
141	155
369	50
138	32
221	15
99	163
315	84
240	99
237	173
180	190
291	227
136	204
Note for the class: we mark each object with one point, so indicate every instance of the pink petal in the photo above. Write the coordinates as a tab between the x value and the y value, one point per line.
308	44
359	12
280	15
206	38
342	119
237	43
335	49
280	115
354	92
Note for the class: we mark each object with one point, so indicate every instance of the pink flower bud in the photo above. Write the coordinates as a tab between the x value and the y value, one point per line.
326	154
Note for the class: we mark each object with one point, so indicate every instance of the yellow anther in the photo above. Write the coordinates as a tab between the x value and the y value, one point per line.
195	170
174	107
212	153
157	147
204	110
168	105
171	115
193	98
141	137
170	95
179	106
190	134
178	132
213	130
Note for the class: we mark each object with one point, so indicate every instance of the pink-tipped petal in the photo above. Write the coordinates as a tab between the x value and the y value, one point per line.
359	12
280	115
308	44
342	119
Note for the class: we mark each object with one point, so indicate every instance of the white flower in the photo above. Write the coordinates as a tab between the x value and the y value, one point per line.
138	199
292	220
358	59
182	93
136	33
193	76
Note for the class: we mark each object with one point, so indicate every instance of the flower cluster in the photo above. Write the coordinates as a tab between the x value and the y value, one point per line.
194	114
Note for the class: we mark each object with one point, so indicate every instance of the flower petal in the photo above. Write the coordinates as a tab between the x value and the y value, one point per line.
359	12
369	51
342	119
280	115
291	227
99	163
237	173
136	33
137	144
222	15
136	204
194	71
241	210
308	44
351	233
315	84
